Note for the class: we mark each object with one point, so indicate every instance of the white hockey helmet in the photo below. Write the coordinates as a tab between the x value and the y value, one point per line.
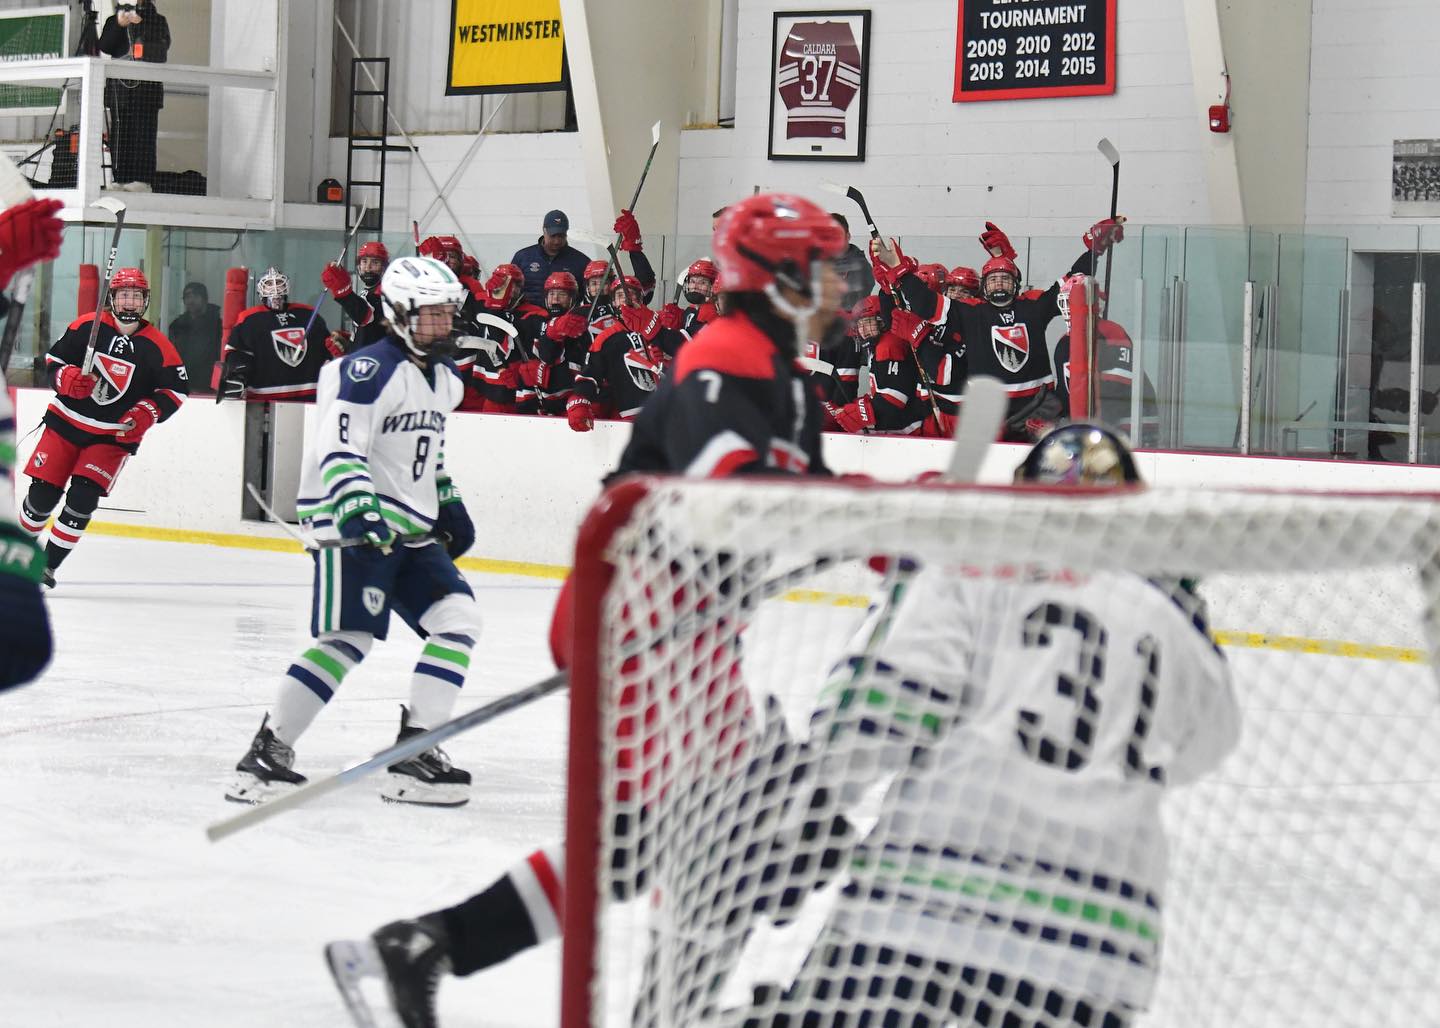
273	288
411	283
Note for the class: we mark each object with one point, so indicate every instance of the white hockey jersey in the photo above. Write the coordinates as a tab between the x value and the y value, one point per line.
1034	727
379	428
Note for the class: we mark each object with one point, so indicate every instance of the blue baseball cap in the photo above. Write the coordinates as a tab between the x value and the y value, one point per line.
556	222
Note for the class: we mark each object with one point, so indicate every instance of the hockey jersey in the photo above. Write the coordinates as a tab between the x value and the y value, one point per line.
143	365
366	314
1032	726
1115	360
379	429
272	354
620	368
818	77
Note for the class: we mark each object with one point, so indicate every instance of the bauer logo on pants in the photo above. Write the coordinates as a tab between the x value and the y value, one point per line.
1012	346
289	345
374	599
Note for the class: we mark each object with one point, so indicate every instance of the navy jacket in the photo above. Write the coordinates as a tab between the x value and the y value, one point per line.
537	267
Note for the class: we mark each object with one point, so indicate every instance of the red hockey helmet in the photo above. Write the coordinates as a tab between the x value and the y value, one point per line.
703	268
469	266
965	278
933	275
373	248
774	238
506	284
997	266
870	307
128	278
596	269
445	249
634	291
559	280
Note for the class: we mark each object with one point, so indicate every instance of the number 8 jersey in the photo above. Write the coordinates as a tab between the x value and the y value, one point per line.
379	429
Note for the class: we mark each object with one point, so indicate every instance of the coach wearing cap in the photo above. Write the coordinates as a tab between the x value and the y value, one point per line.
550	253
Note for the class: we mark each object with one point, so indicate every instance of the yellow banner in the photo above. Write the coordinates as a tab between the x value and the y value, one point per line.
505	46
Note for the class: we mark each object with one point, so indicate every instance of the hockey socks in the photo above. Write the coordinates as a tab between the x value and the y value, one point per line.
439	674
35	509
65	535
518	911
313	679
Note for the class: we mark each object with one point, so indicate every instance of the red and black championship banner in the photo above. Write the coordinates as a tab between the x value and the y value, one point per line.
1009	50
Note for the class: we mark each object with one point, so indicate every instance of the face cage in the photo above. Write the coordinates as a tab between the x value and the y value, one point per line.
1010	294
136	316
690	291
800	316
555	308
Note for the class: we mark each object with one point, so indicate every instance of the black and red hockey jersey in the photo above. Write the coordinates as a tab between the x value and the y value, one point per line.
493	380
366	314
734	403
1114	359
621	370
141	366
271	355
818	77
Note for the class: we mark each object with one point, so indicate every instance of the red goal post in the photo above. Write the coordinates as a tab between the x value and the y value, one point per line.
1301	870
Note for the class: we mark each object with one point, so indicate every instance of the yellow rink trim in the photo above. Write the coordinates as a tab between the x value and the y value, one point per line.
486	565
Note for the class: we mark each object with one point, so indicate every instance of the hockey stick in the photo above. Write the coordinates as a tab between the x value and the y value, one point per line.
1112	155
635	197
314	545
115	207
854	194
341	262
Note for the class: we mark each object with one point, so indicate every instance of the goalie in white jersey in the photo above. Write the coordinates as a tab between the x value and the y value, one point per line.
389	524
1032	725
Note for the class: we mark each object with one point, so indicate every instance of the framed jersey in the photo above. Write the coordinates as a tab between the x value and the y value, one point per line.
819	85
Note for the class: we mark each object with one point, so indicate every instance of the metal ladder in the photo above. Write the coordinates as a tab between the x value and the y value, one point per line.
373	141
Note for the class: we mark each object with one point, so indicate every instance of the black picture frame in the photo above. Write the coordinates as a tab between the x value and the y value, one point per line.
812	132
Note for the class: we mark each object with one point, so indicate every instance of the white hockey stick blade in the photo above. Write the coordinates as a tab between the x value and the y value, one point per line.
836	188
111	204
655	134
497	323
1108	149
481	344
863	381
984	409
592	238
14	187
816	365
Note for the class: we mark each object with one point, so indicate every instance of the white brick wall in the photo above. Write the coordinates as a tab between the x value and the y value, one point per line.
935	167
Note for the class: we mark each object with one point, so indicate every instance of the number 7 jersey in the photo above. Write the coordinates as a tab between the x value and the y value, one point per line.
379	428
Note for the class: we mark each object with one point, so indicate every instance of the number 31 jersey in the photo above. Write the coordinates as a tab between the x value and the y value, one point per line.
379	428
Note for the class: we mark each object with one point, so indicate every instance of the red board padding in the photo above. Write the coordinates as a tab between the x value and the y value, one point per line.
87	294
1081	351
237	286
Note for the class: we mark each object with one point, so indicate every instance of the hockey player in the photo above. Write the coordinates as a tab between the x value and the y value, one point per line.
562	344
895	403
623	367
270	355
363	310
733	405
1114	363
98	418
628	229
502	378
1032	727
387	522
1003	335
962	284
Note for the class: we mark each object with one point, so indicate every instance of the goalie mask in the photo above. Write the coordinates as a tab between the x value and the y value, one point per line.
273	289
420	296
129	298
1079	454
1000	279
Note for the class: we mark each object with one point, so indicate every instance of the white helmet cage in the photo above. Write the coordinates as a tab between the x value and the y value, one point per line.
411	283
273	288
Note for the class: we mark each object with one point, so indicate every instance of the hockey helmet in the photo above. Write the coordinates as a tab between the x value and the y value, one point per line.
373	248
560	292
128	311
992	277
410	285
365	262
506	285
634	293
866	309
1079	454
273	288
445	249
699	281
933	275
469	266
772	240
963	278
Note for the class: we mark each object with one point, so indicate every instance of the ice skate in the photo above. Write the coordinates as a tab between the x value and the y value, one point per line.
48	578
427	778
408	956
265	770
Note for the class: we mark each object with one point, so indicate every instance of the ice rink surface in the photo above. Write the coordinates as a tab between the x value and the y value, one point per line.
115	910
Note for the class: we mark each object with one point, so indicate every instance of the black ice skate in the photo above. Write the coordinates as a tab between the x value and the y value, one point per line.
48	578
264	771
427	778
409	956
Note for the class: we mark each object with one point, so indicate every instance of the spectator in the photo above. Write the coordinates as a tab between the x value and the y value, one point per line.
551	253
135	32
854	267
196	334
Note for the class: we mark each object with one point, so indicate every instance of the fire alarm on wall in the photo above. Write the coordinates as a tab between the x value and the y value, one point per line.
1220	113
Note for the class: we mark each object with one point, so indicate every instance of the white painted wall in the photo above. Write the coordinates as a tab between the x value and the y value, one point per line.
528	481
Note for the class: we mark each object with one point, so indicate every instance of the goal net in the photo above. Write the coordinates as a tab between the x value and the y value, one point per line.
1144	758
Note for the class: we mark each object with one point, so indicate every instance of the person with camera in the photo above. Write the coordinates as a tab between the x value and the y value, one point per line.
135	32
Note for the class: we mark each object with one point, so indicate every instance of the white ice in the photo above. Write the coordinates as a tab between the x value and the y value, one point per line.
115	911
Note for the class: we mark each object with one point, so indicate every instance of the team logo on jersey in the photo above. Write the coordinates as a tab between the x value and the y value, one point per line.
362	369
39	460
374	599
114	375
643	371
1012	346
290	345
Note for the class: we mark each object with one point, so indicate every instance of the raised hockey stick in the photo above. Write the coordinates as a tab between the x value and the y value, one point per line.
1112	155
854	194
340	261
117	208
644	173
313	545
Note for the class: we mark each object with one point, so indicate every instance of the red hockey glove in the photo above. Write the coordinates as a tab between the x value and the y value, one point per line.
337	342
141	418
72	382
671	317
29	233
509	377
996	242
640	320
658	357
886	275
910	327
628	229
706	313
857	416
566	326
529	373
337	281
1105	234
580	414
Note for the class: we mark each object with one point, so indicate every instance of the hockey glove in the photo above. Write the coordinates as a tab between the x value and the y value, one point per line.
509	376
706	313
530	374
910	327
337	281
641	320
358	518
566	326
996	242
141	418
887	274
856	417
29	233
1105	234
25	642
580	414
672	318
628	229
72	382
453	522
337	342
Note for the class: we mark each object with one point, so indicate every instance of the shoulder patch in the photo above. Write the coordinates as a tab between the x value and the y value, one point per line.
362	369
363	374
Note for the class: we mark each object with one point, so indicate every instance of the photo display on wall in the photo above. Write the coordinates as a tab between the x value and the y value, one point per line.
1415	178
1013	50
819	85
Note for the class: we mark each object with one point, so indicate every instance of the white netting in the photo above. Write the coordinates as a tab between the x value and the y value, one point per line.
950	811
